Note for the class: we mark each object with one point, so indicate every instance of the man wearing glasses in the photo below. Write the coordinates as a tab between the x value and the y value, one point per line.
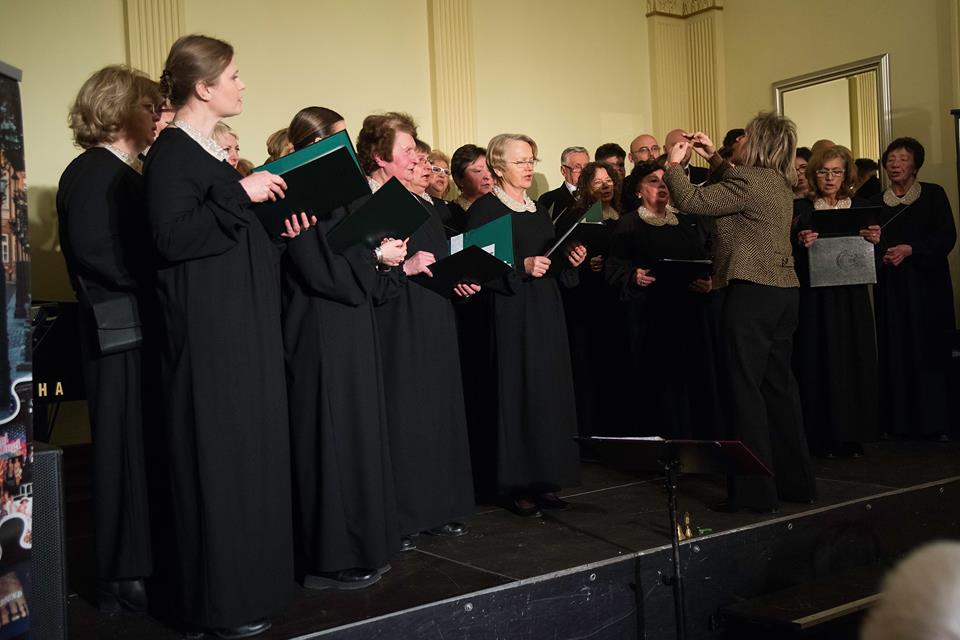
572	162
643	148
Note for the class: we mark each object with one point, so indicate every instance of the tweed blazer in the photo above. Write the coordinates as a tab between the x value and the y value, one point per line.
753	208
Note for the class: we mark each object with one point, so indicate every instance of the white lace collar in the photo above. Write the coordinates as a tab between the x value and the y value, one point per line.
426	196
609	213
374	185
464	204
655	220
208	144
893	200
842	203
514	205
131	161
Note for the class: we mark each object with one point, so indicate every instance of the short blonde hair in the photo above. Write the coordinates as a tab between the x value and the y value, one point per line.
497	147
436	154
106	102
771	143
836	152
223	129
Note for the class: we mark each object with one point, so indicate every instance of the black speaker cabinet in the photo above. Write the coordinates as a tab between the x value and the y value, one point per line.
47	597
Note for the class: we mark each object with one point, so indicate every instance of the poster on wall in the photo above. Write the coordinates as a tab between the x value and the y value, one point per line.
16	455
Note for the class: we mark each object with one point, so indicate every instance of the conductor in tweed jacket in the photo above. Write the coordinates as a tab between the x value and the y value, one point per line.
752	202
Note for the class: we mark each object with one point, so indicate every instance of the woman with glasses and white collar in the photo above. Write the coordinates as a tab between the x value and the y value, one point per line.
834	352
536	418
106	245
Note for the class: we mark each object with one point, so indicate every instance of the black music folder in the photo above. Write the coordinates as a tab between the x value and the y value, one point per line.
319	177
571	221
391	212
845	222
472	265
680	273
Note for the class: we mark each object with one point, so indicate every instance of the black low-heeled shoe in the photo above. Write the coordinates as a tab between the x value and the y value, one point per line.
512	505
552	501
243	631
114	596
344	580
449	530
407	544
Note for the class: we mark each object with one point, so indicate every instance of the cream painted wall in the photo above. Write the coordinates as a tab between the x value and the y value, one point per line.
820	111
782	39
565	73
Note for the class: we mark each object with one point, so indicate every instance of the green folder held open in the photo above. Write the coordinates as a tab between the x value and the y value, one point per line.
495	237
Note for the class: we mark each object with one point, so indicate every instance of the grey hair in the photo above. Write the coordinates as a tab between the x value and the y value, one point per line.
771	143
919	597
566	153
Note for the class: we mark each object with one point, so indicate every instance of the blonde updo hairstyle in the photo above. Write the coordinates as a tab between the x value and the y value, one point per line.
106	102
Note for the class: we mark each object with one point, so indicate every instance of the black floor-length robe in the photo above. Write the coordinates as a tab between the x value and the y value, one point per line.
223	387
535	408
105	241
674	380
834	355
914	312
343	478
424	391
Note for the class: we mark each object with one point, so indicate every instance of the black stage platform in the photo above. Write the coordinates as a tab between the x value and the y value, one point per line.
571	574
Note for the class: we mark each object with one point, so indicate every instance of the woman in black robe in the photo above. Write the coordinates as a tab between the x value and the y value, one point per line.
343	476
834	352
106	246
428	426
914	298
222	372
535	453
668	315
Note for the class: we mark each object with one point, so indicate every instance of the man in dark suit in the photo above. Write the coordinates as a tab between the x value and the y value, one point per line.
572	162
697	175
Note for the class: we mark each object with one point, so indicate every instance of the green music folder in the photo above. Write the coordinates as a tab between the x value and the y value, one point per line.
320	177
495	237
391	212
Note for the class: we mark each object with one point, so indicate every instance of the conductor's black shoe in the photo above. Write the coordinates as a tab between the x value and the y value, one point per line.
551	501
726	507
450	530
114	596
243	631
345	580
531	511
407	544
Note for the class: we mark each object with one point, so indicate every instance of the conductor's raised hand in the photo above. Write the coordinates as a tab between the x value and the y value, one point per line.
263	185
576	255
807	237
702	144
642	278
392	252
296	223
678	152
536	266
419	263
466	289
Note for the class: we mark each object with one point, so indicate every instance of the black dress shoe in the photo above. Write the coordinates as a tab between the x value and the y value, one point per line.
525	512
345	580
551	501
243	631
407	544
114	596
449	530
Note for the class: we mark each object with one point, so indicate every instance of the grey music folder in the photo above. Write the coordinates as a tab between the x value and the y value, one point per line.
843	260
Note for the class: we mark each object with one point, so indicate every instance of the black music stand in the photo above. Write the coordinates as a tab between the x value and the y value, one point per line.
672	457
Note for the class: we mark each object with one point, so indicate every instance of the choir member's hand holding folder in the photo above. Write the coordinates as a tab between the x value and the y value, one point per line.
477	256
391	212
319	177
680	273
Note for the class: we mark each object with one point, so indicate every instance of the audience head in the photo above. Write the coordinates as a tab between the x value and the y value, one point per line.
732	136
598	182
572	162
769	141
229	141
651	189
821	144
439	174
614	155
644	147
201	71
831	172
673	138
387	143
312	124
800	161
470	171
116	102
902	160
919	597
511	158
278	145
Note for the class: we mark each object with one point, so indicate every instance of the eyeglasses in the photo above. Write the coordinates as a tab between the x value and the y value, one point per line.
524	163
434	168
836	173
576	168
655	150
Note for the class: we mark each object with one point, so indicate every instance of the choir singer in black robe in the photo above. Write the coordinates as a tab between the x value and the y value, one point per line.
106	245
222	374
343	476
535	454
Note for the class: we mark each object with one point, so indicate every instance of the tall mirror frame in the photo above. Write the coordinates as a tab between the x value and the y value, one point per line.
879	64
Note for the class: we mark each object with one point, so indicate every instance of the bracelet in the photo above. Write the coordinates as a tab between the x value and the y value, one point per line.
378	252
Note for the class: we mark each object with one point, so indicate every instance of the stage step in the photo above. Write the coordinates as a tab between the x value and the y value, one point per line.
806	606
